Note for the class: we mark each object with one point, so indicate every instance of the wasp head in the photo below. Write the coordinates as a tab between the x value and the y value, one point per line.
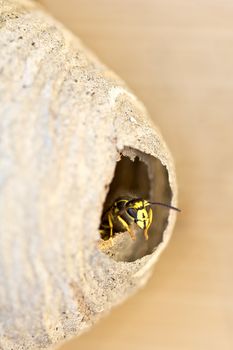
139	211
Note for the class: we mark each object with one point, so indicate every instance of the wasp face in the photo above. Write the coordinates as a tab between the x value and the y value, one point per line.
139	211
142	218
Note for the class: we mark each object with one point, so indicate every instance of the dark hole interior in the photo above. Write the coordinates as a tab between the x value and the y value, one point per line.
141	175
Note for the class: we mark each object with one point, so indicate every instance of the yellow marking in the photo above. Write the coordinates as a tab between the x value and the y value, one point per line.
150	216
142	215
138	204
148	225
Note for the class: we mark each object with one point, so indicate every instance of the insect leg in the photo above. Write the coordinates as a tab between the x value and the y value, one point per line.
126	226
110	225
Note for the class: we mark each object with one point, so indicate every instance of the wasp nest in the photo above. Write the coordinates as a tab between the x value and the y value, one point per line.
66	124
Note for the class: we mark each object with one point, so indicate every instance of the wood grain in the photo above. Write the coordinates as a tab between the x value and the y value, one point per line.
177	56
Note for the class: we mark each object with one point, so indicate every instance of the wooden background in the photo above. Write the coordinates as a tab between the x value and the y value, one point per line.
177	55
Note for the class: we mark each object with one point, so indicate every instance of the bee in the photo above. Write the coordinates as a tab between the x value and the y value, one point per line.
126	214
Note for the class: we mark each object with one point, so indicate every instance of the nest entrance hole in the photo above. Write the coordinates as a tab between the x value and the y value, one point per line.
141	176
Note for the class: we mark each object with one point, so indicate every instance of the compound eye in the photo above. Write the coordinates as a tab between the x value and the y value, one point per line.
132	212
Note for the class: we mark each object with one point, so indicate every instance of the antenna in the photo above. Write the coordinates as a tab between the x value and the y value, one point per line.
165	205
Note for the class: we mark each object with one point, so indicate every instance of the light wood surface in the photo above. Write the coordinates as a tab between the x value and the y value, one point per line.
178	58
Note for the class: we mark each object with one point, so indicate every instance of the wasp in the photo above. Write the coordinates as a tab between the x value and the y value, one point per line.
127	214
